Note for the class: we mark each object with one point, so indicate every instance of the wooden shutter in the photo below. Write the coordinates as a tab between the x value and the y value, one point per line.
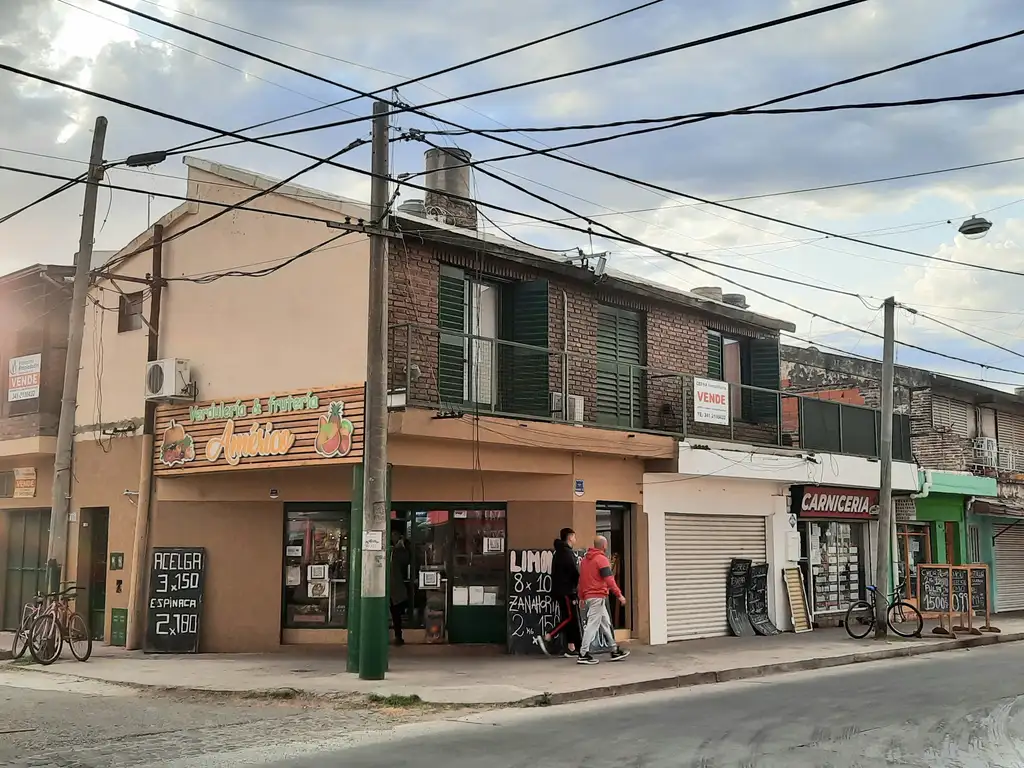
619	346
764	372
451	316
525	372
716	367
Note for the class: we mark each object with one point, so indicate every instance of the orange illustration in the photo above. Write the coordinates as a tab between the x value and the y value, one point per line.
176	447
334	434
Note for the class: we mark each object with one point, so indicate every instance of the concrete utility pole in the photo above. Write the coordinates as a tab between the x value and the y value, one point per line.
885	484
373	629
57	549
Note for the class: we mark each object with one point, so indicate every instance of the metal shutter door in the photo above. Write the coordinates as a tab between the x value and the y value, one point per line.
1010	569
698	549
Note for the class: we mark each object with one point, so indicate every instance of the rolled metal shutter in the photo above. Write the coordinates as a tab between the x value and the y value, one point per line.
698	549
1009	552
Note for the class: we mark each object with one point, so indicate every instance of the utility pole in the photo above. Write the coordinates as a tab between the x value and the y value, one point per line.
57	548
885	483
373	618
144	501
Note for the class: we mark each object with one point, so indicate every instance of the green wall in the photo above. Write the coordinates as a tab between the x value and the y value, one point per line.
938	509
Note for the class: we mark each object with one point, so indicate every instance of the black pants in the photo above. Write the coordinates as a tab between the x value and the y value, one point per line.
397	611
570	623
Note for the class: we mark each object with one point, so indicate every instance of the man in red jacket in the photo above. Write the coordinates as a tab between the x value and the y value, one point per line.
596	582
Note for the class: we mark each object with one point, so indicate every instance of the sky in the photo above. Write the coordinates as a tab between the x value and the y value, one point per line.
371	46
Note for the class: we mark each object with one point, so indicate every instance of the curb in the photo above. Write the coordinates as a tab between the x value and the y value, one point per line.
745	673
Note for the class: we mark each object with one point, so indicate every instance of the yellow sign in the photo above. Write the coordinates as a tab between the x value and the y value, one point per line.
258	441
25	483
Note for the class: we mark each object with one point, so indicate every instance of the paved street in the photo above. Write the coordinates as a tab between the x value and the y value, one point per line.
960	708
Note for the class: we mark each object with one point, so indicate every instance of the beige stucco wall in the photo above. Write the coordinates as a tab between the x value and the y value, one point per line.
303	326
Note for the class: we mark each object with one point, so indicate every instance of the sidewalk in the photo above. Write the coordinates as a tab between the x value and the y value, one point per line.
445	675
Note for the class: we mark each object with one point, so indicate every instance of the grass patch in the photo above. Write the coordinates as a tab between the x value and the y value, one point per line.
395	700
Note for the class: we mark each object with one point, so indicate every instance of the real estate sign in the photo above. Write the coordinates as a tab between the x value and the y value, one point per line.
710	401
23	377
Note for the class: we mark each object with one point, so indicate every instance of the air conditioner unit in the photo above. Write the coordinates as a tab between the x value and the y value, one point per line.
574	409
556	404
169	380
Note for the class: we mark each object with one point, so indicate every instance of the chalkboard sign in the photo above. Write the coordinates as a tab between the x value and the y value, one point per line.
757	600
532	610
736	598
979	589
960	599
934	589
175	599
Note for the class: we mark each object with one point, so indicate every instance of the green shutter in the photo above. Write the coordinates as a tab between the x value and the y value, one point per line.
619	346
451	316
765	373
716	369
525	372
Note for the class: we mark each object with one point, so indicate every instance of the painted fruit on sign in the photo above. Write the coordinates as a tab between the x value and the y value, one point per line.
177	447
334	433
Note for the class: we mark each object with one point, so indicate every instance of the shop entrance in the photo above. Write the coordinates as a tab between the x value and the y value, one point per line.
457	573
913	548
27	533
613	524
98	521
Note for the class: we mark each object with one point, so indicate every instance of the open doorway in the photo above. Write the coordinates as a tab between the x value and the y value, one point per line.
613	523
92	569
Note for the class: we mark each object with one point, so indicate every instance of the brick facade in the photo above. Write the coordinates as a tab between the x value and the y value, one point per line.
676	338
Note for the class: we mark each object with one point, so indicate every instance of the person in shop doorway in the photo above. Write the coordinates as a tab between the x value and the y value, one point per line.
596	583
565	578
399	589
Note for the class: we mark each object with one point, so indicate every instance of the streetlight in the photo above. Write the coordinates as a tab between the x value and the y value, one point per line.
975	228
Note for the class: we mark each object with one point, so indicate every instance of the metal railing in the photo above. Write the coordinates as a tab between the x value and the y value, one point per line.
1003	458
461	373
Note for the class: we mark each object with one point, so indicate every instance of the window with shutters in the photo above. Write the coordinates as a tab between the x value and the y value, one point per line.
475	368
747	362
619	372
954	416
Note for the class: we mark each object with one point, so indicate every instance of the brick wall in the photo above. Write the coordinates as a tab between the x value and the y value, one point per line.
934	448
676	339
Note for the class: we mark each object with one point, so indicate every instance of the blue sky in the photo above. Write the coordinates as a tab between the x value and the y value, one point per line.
373	45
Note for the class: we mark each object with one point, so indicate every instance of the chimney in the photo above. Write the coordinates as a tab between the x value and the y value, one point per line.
709	292
447	175
414	207
736	300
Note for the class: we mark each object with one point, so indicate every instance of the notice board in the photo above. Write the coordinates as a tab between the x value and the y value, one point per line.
175	607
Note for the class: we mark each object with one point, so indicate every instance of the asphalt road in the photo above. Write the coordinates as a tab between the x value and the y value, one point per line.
959	708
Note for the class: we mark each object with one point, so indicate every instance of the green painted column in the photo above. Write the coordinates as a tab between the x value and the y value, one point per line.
355	569
373	641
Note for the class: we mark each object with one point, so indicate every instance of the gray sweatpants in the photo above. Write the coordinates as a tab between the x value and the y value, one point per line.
597	620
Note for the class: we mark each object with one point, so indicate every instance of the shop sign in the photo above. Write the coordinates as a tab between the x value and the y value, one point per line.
322	426
25	483
850	503
710	401
23	377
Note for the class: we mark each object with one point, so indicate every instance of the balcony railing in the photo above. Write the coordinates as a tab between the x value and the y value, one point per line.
1001	457
460	373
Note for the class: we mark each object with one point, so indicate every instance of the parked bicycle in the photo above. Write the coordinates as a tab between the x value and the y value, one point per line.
29	613
902	617
56	625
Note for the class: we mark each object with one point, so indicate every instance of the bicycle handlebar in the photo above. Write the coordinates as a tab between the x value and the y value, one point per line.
66	591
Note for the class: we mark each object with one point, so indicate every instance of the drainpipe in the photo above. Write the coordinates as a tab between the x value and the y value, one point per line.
926	488
565	356
140	547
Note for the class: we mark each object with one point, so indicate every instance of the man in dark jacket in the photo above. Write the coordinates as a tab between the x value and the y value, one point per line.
565	577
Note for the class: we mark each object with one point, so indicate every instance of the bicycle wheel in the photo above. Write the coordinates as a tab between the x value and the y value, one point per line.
45	641
79	637
22	633
904	619
860	619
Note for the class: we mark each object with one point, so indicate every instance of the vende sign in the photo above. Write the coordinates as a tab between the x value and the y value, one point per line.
839	502
23	377
711	401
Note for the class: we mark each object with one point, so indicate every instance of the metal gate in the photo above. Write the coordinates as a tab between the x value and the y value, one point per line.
1009	551
698	549
25	570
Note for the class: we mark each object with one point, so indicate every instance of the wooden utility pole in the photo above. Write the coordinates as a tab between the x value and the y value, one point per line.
884	552
60	509
373	616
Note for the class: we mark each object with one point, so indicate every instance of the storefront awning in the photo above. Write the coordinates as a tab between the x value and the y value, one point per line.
996	508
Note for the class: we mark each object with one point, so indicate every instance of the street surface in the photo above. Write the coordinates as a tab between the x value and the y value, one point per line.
960	708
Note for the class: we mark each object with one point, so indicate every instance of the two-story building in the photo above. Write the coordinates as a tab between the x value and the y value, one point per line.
34	305
968	440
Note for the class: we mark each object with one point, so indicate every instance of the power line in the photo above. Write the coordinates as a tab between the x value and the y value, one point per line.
974	336
870	105
38	201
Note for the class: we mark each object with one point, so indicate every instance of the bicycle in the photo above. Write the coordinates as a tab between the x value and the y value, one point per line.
57	625
901	617
29	613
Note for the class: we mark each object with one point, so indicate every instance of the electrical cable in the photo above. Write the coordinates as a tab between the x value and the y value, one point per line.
402	109
952	327
48	196
871	105
407	81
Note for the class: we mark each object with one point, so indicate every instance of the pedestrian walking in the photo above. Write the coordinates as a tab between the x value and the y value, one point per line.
565	578
400	559
596	583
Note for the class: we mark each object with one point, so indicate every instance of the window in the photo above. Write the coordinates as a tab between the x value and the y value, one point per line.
316	566
953	416
129	312
6	485
974	544
747	362
619	372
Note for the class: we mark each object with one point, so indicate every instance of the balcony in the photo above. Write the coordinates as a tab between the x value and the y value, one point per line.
989	456
459	374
